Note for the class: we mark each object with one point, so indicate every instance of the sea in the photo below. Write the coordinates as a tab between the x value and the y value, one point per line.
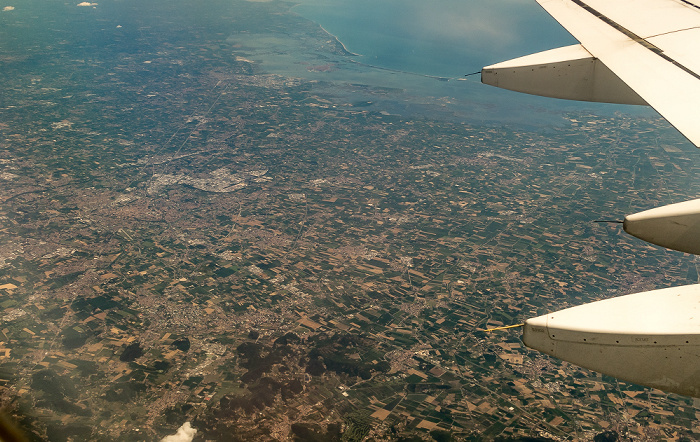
429	49
445	38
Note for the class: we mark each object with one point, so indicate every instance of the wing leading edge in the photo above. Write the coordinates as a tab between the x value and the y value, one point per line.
632	51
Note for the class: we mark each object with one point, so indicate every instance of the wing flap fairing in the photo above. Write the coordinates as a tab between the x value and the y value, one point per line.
649	338
571	73
675	226
652	46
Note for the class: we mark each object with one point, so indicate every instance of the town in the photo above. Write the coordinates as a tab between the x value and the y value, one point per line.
185	237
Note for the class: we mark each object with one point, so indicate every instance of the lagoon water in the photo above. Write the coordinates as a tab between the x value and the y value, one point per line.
446	38
400	42
416	54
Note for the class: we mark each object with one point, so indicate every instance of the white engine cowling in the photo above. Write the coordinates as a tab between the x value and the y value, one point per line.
650	338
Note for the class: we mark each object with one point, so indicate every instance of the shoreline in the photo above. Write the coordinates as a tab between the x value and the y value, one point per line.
342	45
436	77
338	41
353	54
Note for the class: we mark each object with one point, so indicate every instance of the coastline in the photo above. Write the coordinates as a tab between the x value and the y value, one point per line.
342	45
339	42
347	52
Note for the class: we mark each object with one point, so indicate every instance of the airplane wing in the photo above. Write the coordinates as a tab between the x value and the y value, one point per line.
631	51
634	52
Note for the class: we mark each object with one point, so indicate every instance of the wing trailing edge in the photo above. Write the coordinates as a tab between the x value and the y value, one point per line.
650	46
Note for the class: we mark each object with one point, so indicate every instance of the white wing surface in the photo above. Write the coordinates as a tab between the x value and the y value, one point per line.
633	52
652	46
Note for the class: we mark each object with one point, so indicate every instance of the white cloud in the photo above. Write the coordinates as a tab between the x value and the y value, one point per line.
86	4
8	8
184	434
492	24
